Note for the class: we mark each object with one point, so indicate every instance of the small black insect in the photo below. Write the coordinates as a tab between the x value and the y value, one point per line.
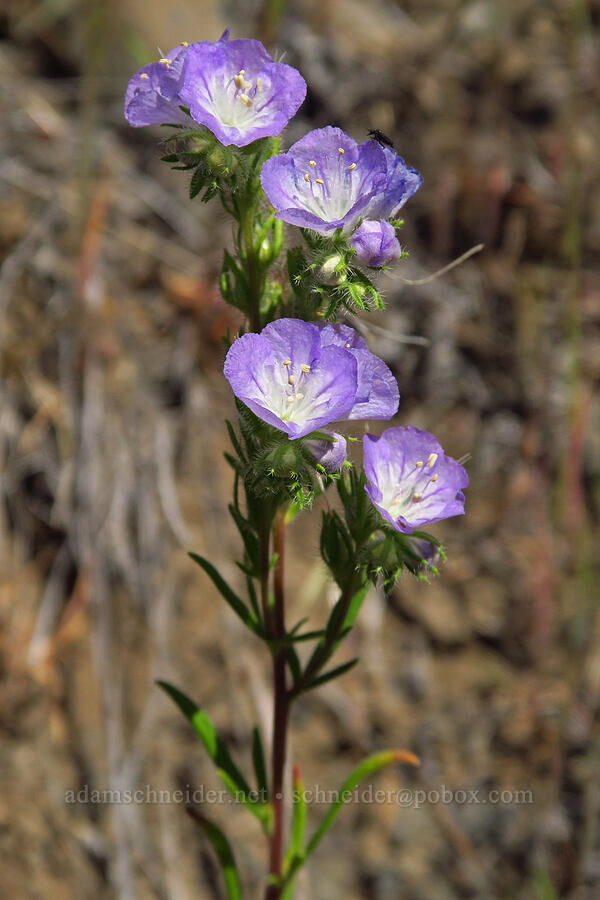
376	135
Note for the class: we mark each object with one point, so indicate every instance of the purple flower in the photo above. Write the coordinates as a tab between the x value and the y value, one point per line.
325	181
377	395
238	92
329	454
152	96
299	376
400	184
410	479
375	243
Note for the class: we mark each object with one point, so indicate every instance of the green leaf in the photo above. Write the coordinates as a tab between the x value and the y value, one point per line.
295	854
363	770
237	605
258	759
218	752
222	848
333	673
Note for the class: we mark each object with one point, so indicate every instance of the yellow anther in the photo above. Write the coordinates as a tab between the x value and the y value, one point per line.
312	162
319	181
242	72
417	497
287	362
420	463
346	346
238	80
352	166
341	150
165	61
431	460
259	84
291	379
245	99
144	75
434	477
184	44
299	396
290	399
306	178
305	367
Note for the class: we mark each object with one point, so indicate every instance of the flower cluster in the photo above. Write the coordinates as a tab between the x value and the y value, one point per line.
302	377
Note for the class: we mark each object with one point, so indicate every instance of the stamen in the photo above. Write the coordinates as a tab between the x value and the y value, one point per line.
300	396
290	398
242	72
238	80
287	362
420	463
291	379
346	346
434	477
305	367
184	44
319	181
144	75
341	150
306	178
259	84
312	162
352	166
165	61
431	460
417	497
245	99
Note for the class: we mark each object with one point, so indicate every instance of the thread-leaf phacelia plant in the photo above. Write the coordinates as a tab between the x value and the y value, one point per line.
298	374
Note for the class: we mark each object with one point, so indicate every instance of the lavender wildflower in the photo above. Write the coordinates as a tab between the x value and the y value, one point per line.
410	479
238	92
375	243
299	376
325	181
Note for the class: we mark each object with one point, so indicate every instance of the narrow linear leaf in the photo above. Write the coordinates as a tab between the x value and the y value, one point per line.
216	749
363	770
237	605
222	848
333	673
298	815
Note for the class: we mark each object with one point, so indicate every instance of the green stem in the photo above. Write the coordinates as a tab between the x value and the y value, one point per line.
253	266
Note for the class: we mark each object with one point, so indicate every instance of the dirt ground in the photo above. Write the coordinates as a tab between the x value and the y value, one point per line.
111	438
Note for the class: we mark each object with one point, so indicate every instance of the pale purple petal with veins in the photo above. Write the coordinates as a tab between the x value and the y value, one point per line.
410	479
152	96
401	183
377	395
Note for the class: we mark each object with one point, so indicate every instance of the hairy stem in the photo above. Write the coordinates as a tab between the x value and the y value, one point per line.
252	266
280	714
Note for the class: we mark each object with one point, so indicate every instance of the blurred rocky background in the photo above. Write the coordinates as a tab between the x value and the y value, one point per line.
111	441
